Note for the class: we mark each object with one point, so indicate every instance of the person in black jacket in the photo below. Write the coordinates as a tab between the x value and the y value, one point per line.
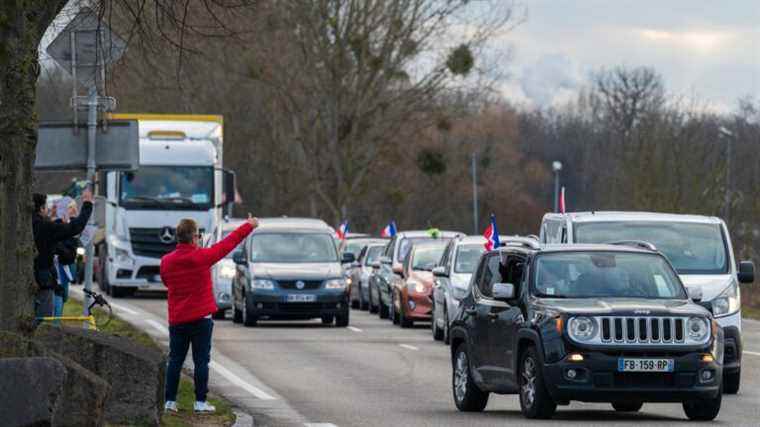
47	235
65	259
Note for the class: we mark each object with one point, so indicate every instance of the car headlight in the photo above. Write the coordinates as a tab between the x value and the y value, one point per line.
728	302
416	287
697	329
80	251
227	271
336	284
265	284
582	328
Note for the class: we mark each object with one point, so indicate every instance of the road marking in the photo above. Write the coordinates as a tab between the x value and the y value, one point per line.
355	329
234	379
124	309
157	326
319	425
408	347
753	353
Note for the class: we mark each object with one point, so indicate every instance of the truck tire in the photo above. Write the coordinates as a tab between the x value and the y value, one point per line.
121	291
703	409
535	401
467	396
732	382
102	271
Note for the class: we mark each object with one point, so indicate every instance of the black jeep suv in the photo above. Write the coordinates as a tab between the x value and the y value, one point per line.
592	323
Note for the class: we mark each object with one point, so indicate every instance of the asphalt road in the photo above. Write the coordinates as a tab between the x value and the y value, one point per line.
377	374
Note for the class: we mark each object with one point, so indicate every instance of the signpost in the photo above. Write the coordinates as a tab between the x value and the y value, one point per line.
84	48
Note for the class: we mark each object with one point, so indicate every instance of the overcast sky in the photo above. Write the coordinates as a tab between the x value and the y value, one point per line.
710	49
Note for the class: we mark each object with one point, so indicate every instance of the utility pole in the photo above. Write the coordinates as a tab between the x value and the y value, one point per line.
475	194
556	167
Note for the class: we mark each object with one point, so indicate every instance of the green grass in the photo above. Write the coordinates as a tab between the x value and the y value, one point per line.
185	398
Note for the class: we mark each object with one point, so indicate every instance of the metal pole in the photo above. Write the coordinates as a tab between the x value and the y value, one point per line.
556	190
92	124
475	194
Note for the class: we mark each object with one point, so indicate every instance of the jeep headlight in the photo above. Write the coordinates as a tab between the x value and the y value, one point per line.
227	270
582	328
265	284
697	329
458	293
728	302
335	284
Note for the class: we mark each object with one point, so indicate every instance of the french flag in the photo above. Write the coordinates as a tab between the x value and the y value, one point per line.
389	230
342	230
492	235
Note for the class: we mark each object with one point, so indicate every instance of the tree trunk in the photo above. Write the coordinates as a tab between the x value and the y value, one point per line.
21	27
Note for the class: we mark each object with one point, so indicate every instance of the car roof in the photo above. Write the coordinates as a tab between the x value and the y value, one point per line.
470	240
352	236
292	224
426	233
431	243
232	223
614	216
583	247
369	241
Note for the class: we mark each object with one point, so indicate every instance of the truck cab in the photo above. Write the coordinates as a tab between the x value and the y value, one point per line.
180	175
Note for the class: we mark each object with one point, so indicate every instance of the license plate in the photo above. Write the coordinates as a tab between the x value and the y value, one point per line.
645	365
301	298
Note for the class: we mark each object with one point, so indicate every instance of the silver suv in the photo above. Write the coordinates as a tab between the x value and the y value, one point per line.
699	247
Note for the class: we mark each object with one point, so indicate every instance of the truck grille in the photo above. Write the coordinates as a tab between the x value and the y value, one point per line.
643	330
147	242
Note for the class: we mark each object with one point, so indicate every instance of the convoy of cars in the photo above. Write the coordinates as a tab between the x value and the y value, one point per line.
618	307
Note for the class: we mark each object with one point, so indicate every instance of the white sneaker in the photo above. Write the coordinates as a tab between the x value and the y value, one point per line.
204	408
170	406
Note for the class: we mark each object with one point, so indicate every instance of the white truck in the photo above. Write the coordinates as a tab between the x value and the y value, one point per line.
180	175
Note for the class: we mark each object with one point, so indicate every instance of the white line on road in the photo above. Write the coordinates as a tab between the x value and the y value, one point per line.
319	425
355	329
159	327
234	379
124	309
753	353
408	347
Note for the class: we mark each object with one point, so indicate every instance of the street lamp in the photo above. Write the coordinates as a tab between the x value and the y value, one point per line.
729	136
556	167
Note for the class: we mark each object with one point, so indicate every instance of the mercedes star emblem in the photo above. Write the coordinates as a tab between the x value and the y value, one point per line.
166	235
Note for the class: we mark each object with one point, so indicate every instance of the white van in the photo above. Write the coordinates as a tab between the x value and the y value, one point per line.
699	247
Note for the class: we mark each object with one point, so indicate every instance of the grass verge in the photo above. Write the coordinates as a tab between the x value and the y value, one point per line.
185	418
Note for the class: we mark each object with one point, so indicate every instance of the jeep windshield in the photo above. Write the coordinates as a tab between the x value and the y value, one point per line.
167	187
600	274
293	248
692	248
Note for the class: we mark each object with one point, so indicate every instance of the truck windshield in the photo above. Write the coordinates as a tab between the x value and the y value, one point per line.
605	275
692	248
167	187
467	258
293	248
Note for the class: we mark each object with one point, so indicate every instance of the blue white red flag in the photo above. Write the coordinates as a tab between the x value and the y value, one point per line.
389	230
342	230
492	235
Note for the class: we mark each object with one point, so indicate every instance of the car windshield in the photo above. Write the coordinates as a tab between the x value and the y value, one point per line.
373	254
293	248
692	248
354	246
172	187
605	275
406	244
467	258
426	257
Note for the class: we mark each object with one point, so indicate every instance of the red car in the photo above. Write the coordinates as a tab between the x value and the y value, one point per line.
413	291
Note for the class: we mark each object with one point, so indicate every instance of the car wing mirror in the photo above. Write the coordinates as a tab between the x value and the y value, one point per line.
239	258
374	264
385	260
440	271
503	291
746	272
695	293
348	258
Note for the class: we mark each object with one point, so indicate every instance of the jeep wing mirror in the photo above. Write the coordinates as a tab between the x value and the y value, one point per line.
695	293
503	291
239	257
746	272
440	271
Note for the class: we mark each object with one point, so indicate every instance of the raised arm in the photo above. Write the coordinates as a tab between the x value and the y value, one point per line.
61	231
218	251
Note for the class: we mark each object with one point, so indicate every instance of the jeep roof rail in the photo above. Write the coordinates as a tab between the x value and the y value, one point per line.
528	242
641	244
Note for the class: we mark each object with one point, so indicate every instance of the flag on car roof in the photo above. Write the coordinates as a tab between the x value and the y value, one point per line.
389	230
342	230
492	235
562	200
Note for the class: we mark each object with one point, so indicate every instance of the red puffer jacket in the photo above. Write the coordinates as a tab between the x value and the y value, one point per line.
186	272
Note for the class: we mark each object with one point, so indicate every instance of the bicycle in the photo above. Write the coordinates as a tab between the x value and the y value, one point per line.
92	324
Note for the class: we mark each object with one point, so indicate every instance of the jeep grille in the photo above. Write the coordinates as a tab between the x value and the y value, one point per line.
642	330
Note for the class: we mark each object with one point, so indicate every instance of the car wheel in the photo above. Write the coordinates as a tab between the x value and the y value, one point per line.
237	315
220	314
627	406
363	304
393	314
732	381
437	332
535	401
248	318
341	320
373	308
354	303
383	310
327	320
703	409
467	396
404	321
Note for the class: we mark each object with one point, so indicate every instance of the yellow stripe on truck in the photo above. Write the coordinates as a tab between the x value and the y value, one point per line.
168	117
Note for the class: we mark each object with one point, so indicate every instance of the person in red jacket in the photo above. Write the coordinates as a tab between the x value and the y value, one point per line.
186	272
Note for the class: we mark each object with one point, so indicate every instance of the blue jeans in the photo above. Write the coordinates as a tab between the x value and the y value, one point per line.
197	334
59	300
